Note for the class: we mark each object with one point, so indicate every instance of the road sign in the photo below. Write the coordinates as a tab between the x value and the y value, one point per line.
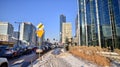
40	26
40	33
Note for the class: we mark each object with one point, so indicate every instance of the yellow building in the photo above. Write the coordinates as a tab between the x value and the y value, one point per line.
66	32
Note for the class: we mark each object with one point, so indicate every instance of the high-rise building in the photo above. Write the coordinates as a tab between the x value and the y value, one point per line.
109	13
15	34
96	16
106	35
92	22
27	33
82	21
114	14
66	32
62	20
77	32
6	31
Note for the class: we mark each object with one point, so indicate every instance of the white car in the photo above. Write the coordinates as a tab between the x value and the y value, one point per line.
3	62
39	51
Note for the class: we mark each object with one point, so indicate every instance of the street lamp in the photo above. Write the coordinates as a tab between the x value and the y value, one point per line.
18	32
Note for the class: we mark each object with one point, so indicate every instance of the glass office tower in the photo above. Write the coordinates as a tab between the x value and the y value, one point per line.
104	19
109	13
62	20
99	22
88	22
92	22
114	13
82	21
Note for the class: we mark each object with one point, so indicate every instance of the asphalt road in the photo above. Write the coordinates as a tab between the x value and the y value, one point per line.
23	61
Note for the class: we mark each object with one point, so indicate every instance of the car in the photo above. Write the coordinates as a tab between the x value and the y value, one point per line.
40	49
45	48
34	49
6	52
20	52
28	50
3	62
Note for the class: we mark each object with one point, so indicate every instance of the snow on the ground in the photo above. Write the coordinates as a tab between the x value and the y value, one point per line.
49	60
75	62
68	60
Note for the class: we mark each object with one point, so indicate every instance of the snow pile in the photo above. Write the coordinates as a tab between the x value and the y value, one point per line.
49	60
75	62
62	60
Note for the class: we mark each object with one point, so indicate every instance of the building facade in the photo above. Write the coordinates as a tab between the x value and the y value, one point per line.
62	20
87	18
77	33
66	32
28	33
15	35
6	31
96	18
110	15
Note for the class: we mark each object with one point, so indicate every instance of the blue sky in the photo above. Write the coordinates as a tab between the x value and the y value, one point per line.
36	11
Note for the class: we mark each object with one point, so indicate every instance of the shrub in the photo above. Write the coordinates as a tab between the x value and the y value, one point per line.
90	54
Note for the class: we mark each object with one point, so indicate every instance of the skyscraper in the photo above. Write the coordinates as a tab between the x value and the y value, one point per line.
77	31
15	34
27	33
110	14
62	20
92	21
6	31
66	32
83	22
94	17
114	14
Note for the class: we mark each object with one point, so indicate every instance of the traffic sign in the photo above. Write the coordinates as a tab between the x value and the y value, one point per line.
40	33
40	26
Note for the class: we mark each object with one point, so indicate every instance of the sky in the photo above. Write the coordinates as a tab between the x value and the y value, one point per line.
39	11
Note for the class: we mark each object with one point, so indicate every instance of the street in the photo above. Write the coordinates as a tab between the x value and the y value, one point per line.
22	61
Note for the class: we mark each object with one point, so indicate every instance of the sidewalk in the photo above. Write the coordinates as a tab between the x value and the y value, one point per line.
75	62
63	60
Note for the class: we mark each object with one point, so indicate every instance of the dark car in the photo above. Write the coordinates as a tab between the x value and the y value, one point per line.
27	50
34	49
6	51
48	46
